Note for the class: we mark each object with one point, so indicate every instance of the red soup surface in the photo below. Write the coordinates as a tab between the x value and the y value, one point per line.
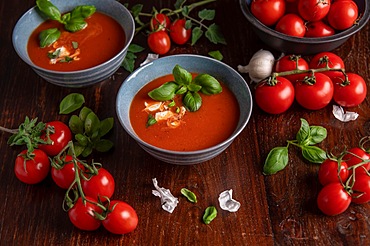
213	123
100	41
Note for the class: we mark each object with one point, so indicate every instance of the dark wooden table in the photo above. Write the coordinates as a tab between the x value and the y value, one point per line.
275	210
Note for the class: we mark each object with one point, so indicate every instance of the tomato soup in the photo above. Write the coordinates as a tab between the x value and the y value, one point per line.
213	123
101	40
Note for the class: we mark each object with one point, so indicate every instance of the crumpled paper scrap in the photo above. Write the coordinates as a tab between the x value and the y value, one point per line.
339	113
227	202
168	201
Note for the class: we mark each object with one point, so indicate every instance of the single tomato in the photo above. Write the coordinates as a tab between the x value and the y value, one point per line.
32	168
179	33
121	218
65	176
330	60
290	63
318	29
160	22
361	189
349	92
343	14
57	135
333	199
292	25
99	186
333	171
313	10
358	157
82	214
159	42
268	11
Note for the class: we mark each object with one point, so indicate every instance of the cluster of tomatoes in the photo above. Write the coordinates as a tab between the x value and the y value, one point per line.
306	18
345	180
90	206
312	84
163	32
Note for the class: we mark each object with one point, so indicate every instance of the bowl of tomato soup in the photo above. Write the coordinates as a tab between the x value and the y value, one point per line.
179	135
80	58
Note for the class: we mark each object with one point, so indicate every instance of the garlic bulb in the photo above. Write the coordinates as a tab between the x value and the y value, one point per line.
260	66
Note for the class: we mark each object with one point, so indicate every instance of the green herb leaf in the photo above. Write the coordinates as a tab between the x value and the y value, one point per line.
48	37
75	24
303	132
84	112
76	125
210	85
194	87
181	90
81	139
87	151
216	54
164	92
276	160
49	9
182	77
134	48
151	120
318	134
103	145
75	45
78	149
313	154
209	214
192	101
71	103
207	14
188	24
179	3
215	35
92	124
189	195
105	126
129	62
196	35
83	11
136	9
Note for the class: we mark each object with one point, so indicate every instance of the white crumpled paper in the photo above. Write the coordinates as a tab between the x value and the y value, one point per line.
227	202
168	201
339	113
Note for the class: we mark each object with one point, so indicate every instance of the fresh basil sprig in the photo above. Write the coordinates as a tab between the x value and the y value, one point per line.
306	137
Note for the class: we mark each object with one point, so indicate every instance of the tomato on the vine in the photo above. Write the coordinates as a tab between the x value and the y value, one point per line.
355	156
333	199
361	189
268	11
292	25
313	10
331	172
82	214
343	14
160	22
99	186
327	59
350	92
179	33
159	42
318	29
289	63
315	93
60	135
65	176
32	169
276	98
121	218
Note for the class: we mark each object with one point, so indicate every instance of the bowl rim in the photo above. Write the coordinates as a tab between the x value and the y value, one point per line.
125	47
227	141
310	40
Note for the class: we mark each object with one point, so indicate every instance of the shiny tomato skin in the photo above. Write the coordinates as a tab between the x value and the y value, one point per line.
342	14
333	199
275	99
60	138
99	186
328	172
178	33
318	29
322	59
349	94
160	22
32	171
268	12
291	62
82	215
313	10
159	42
122	219
316	96
292	25
65	176
355	156
361	189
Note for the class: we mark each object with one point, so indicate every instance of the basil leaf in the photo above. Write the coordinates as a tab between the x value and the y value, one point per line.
313	154
71	103
75	24
65	18
92	124
196	34
87	151
151	120
165	92
81	139
103	145
50	10
207	14
48	37
83	11
83	113
182	90
303	132
210	85
136	9
209	214
134	48
105	126
192	101
189	195
194	87
318	134
76	125
214	34
78	149
182	77
276	160
216	54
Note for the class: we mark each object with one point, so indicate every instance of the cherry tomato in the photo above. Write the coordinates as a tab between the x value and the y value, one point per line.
333	172
292	62
275	99
292	25
65	176
32	171
355	156
361	189
342	14
333	199
317	95
159	42
178	33
313	10
60	136
318	29
122	219
99	186
268	11
160	22
351	92
323	59
82	215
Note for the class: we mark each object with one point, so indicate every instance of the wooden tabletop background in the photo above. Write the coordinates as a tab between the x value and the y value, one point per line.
275	210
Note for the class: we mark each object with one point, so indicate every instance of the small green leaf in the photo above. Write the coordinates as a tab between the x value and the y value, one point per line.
81	139
215	35
75	45
318	134
276	160
105	126
303	132
49	9
216	54
76	125
164	92
103	145
75	24
128	63
71	103
194	87
48	37
209	214
78	149
84	112
182	77
87	151
181	90
83	11
185	11
314	154
92	124
178	4
192	101
188	24
151	120
207	14
189	195
196	35
136	9
134	48
210	85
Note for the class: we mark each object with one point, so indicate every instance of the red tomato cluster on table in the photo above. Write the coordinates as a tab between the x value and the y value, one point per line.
306	18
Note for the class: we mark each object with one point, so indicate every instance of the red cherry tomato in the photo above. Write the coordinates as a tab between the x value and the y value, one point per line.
351	92
275	99
342	14
323	59
333	172
292	25
122	219
99	186
178	32
32	171
268	11
318	29
317	95
160	22
65	176
361	189
313	10
355	156
60	136
292	62
159	42
333	199
82	215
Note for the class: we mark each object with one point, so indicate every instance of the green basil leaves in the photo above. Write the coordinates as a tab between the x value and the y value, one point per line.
209	214
185	85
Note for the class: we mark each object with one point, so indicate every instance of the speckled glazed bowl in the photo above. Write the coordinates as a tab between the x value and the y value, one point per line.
31	19
192	63
304	46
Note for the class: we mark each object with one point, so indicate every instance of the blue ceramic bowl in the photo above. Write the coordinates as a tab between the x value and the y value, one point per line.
304	46
31	19
192	63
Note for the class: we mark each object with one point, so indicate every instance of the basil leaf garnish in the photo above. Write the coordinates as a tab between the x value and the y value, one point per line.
182	90
105	126
151	120
164	92
182	77
192	101
318	134
194	87
92	124
48	36
313	154
76	125
189	195
209	214
84	112
103	145
46	7
83	11
71	103
210	85
276	160
75	24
